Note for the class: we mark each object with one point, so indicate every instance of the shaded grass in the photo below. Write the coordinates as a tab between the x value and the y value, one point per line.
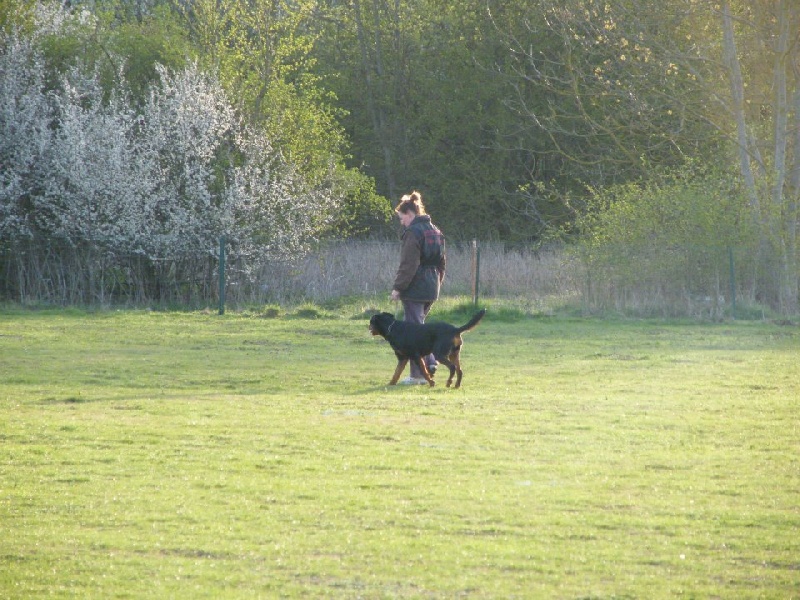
192	455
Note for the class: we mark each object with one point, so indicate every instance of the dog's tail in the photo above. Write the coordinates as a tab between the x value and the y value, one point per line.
473	321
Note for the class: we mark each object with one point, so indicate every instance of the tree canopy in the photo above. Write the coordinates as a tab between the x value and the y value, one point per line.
504	114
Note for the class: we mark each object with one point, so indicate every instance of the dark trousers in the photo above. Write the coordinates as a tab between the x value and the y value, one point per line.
415	312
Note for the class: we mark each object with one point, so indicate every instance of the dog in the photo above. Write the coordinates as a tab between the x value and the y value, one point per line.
412	341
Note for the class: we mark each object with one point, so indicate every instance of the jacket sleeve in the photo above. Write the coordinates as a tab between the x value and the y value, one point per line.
409	262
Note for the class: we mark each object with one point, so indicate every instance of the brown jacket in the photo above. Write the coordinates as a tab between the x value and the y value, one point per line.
422	262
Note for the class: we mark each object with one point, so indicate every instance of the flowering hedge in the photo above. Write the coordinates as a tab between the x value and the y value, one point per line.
163	179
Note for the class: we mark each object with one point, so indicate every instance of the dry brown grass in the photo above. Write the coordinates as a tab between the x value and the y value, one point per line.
343	269
627	281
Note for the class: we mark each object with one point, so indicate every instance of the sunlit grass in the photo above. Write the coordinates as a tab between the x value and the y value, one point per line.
147	454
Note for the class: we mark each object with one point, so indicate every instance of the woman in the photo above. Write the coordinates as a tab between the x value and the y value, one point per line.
421	271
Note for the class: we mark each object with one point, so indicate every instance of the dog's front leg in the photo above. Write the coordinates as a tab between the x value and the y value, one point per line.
424	370
401	364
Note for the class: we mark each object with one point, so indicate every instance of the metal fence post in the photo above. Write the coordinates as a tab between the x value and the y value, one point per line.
733	282
222	275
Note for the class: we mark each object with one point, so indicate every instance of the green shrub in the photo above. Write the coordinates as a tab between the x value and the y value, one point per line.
667	245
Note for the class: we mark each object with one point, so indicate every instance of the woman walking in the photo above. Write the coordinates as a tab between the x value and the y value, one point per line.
421	271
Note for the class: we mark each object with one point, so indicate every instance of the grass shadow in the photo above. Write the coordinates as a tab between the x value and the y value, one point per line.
67	400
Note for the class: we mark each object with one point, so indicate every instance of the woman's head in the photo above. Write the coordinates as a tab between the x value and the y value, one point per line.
410	204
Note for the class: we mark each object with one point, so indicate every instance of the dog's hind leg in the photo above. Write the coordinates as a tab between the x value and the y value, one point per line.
401	364
451	356
455	358
446	362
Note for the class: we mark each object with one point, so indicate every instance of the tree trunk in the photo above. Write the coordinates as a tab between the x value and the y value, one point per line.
792	193
781	210
737	93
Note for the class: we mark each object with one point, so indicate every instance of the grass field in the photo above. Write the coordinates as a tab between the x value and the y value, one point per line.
192	455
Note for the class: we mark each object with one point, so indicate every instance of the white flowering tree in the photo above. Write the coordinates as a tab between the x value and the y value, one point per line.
25	136
164	180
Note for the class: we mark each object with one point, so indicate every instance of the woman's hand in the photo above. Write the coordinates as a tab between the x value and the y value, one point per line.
395	295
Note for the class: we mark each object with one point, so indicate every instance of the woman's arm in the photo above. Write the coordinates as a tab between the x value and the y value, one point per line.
409	262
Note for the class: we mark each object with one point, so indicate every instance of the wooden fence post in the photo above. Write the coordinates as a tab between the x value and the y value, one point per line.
476	271
222	275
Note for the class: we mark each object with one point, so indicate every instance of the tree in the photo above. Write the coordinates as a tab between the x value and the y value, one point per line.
769	156
601	101
619	87
162	179
26	132
424	109
264	54
666	244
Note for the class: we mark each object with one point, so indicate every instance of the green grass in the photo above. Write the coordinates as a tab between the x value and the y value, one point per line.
260	455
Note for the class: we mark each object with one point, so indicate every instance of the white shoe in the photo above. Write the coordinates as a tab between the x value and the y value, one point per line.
412	381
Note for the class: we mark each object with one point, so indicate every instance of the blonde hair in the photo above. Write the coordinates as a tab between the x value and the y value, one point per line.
411	203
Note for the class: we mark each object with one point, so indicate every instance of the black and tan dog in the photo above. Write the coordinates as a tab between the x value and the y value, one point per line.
412	341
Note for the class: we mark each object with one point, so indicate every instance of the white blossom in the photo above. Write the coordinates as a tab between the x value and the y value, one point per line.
162	181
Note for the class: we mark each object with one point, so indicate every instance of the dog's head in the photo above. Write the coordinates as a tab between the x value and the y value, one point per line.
379	324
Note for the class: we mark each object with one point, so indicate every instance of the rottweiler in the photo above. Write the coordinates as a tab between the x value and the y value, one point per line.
412	341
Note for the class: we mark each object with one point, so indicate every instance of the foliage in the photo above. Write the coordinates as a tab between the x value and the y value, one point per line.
423	108
683	207
26	134
362	211
765	105
503	114
17	15
264	54
138	46
601	93
669	236
152	454
164	179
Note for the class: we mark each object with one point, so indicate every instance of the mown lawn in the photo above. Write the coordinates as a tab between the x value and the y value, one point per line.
192	455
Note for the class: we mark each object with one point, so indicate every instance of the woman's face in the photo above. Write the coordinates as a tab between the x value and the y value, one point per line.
406	218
